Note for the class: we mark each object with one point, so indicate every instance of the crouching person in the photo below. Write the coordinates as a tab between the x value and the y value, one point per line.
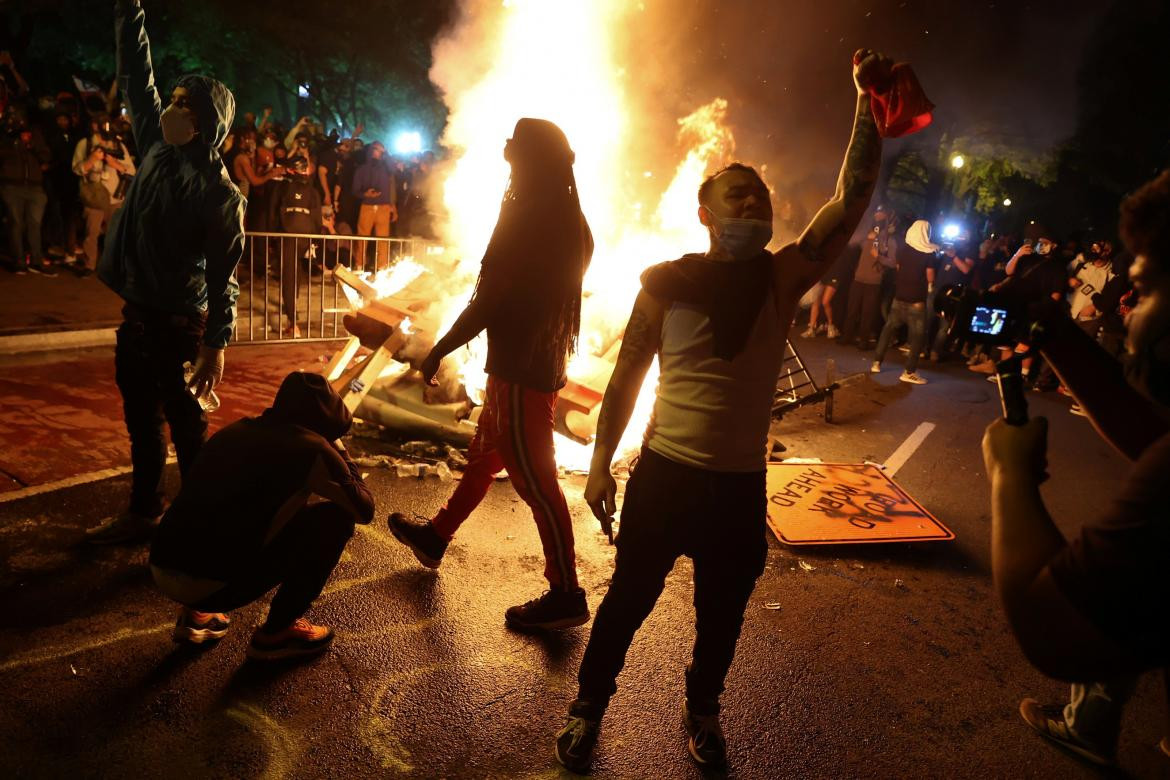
270	502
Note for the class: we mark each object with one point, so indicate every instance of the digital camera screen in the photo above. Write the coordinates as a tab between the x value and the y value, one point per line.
988	320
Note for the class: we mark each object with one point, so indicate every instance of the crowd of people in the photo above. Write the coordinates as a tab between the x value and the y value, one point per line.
900	287
67	159
716	322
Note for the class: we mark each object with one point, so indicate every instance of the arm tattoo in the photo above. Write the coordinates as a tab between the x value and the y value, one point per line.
639	340
639	345
837	220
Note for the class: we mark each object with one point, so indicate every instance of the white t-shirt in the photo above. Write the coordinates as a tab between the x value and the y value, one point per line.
711	413
1093	278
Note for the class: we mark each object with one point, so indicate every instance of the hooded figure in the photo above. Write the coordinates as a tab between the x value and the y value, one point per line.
245	520
170	253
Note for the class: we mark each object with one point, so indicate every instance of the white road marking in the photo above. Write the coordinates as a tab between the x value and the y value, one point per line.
68	482
908	448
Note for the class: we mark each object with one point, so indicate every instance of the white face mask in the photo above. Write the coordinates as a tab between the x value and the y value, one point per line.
743	239
269	143
177	127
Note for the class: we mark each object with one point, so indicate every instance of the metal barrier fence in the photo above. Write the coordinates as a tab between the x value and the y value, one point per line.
287	289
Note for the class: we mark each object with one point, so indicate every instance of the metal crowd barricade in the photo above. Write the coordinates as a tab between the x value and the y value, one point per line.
287	289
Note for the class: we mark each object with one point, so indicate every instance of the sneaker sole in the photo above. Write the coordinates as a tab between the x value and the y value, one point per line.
577	769
569	622
283	653
197	636
1068	747
691	747
423	558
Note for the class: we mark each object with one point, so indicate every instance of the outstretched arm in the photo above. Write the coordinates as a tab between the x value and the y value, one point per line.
136	74
803	263
640	344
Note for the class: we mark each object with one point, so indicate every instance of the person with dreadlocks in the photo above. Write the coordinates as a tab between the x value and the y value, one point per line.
528	299
718	323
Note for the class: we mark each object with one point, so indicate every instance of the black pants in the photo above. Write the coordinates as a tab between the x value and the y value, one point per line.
148	367
291	252
861	312
717	520
299	559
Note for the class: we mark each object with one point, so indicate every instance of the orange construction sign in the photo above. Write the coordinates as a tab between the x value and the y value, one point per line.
844	503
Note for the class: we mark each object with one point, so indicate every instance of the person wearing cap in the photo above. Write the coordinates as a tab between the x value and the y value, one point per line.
528	299
296	207
270	502
171	254
374	186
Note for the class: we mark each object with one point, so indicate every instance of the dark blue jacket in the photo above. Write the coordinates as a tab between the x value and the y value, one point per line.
174	244
375	174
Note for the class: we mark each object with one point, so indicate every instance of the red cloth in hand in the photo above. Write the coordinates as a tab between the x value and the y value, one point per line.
900	107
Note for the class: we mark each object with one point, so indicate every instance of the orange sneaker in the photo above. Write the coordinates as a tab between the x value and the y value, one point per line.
199	627
302	638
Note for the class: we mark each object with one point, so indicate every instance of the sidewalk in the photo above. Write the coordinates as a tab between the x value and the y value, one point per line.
61	414
31	303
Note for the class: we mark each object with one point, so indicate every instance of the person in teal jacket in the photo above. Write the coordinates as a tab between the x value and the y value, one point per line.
170	253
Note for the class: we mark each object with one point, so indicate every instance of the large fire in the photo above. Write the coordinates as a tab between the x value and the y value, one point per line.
556	60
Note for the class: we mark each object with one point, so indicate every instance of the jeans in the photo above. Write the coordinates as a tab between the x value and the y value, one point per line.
26	207
299	559
913	315
861	312
148	368
718	520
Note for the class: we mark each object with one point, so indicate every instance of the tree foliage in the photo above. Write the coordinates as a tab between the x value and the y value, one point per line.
361	62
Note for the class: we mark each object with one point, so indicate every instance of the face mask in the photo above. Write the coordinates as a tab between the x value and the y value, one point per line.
177	127
743	239
1043	249
269	143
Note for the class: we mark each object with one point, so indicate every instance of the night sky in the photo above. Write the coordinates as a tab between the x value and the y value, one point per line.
1002	71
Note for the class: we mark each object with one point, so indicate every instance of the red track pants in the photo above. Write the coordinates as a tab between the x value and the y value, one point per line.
516	433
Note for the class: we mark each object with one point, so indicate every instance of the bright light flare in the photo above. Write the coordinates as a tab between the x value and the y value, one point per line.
958	162
951	231
408	142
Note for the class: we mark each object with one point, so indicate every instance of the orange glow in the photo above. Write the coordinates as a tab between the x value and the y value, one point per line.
556	61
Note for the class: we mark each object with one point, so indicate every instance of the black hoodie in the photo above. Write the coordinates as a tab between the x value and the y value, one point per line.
253	476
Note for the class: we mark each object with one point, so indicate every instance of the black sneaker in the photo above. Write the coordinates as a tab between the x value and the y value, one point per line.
420	536
42	268
126	527
555	609
1048	721
199	627
705	740
575	742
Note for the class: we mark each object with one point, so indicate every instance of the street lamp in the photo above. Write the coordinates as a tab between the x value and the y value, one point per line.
1007	202
957	161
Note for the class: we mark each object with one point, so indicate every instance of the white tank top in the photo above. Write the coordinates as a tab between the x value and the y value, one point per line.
711	413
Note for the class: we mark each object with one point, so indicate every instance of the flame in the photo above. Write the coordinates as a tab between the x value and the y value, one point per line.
557	61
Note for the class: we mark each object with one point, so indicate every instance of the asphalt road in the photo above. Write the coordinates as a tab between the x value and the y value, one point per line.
881	660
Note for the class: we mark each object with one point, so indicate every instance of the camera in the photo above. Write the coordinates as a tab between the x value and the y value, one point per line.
992	318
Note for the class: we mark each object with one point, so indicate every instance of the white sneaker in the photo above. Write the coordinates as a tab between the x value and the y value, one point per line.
808	333
912	378
833	332
875	367
1078	410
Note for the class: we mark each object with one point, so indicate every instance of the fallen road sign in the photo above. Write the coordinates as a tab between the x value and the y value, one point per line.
844	503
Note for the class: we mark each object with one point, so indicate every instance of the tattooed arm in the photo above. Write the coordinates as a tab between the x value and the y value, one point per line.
799	265
640	344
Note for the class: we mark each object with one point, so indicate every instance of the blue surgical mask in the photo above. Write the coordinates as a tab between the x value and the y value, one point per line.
743	239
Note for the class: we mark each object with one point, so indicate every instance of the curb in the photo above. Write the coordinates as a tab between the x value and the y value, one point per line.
60	339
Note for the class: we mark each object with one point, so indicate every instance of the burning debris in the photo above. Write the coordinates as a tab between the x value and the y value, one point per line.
395	321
